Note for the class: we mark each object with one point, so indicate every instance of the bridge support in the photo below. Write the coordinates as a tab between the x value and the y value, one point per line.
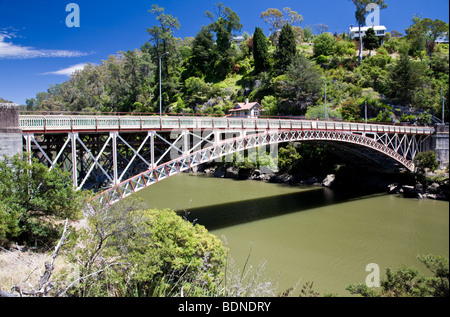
10	131
439	143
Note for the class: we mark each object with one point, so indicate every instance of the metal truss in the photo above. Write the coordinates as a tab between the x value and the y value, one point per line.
187	152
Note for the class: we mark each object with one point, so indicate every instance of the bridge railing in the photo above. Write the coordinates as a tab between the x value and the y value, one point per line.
80	123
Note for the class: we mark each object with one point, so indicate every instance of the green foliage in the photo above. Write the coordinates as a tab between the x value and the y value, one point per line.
260	51
270	105
371	40
300	87
33	198
131	251
287	48
408	282
288	158
425	160
324	44
405	77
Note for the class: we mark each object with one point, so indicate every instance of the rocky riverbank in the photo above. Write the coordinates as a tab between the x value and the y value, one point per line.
354	179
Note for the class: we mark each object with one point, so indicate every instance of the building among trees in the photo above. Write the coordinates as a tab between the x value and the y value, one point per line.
246	110
380	32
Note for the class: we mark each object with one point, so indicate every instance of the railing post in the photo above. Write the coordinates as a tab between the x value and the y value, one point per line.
152	148
114	155
73	136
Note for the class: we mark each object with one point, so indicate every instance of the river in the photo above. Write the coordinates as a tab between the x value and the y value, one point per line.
308	233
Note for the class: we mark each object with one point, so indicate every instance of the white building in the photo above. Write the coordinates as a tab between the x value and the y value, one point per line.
246	110
442	38
380	32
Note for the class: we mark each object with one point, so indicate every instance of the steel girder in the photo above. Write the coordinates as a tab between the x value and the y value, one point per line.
210	146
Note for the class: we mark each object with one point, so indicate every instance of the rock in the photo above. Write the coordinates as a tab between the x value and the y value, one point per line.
328	181
219	172
394	189
232	172
433	188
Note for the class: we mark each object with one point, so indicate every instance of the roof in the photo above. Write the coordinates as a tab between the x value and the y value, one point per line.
365	28
244	106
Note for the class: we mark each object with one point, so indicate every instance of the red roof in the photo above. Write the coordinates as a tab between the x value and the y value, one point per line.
245	106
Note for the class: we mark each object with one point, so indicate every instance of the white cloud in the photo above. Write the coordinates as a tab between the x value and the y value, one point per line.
67	71
14	51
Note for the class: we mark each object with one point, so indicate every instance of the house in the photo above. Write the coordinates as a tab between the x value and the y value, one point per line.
246	110
380	32
442	38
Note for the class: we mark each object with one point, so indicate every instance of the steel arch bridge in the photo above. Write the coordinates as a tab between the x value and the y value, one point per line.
120	155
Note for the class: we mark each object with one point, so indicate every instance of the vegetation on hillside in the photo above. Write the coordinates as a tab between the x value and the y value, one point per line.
129	250
405	79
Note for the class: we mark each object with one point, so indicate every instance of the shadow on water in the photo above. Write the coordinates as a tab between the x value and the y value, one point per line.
230	214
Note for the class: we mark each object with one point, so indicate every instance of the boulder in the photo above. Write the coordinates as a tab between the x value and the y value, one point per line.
328	181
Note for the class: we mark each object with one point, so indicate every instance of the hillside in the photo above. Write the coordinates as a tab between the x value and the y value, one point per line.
403	80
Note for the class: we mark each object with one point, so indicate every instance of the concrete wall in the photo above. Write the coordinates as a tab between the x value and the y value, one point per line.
10	132
439	143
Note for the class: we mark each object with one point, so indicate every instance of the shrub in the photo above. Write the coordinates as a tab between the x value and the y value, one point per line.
426	160
131	251
33	198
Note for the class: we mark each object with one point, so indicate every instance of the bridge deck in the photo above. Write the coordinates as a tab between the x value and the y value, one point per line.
86	123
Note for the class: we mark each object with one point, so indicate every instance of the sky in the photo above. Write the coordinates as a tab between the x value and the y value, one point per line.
39	49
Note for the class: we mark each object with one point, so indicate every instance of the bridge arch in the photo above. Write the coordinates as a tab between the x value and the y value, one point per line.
238	144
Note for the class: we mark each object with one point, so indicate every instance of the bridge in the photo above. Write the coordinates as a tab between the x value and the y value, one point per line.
118	155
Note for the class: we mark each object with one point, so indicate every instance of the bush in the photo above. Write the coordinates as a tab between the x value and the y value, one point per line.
408	282
33	198
324	44
426	160
131	251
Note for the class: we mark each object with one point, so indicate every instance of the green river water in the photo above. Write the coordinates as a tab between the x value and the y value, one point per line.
308	233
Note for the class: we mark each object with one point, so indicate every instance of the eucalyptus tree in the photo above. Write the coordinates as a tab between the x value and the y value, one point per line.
162	39
224	23
360	15
277	19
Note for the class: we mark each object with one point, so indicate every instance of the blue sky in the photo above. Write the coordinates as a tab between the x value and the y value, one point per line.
37	49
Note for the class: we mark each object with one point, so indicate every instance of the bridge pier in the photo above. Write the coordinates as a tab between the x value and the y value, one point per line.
10	130
439	143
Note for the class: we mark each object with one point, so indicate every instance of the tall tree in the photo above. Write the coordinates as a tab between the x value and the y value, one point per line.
224	23
163	41
422	34
405	77
260	51
276	19
360	15
202	50
287	48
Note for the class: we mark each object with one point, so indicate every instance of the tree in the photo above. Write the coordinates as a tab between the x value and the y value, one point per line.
300	87
163	41
324	45
422	34
260	51
360	15
287	48
224	23
202	51
408	282
404	77
129	250
371	41
33	198
277	19
427	160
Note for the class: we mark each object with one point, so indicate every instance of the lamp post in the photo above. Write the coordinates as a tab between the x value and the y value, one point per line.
160	93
